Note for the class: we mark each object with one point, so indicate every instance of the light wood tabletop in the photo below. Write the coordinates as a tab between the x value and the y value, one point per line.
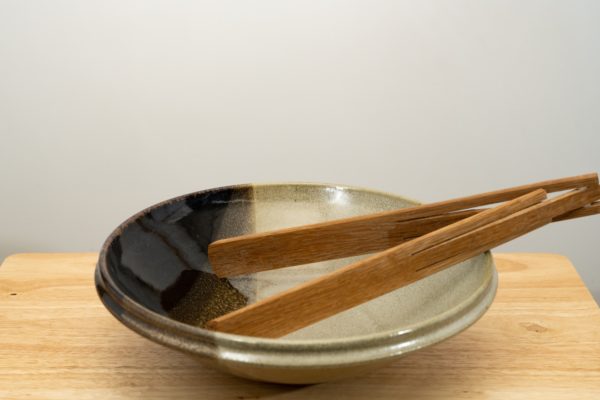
540	339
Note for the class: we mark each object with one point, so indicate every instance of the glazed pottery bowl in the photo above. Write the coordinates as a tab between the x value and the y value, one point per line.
153	275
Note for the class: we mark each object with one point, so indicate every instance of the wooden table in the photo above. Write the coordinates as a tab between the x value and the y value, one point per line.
540	339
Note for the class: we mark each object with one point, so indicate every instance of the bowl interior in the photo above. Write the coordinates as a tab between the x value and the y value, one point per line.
159	259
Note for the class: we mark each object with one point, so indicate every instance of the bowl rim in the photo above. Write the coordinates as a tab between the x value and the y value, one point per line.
140	319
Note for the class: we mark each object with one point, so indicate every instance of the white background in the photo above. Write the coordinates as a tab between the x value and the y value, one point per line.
107	107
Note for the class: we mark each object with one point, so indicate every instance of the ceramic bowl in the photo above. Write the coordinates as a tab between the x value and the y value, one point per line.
154	276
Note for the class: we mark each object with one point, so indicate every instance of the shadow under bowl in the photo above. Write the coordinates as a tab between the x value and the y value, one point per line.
153	275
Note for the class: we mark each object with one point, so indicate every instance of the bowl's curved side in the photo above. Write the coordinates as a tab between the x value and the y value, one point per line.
305	362
315	364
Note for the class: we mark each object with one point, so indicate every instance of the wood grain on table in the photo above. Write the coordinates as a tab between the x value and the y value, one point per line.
540	339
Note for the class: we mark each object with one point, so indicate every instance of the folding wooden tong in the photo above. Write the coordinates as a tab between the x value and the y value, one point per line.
416	242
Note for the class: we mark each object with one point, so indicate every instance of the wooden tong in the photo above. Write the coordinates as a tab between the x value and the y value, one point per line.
410	261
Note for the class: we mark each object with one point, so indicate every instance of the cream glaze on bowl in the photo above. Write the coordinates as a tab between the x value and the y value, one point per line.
153	274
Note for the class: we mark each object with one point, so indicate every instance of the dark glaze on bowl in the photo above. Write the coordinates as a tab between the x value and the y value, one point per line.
159	259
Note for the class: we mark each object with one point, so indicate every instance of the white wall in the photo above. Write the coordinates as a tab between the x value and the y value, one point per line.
107	107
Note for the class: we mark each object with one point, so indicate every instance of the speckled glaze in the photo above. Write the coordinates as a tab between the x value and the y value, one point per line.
154	276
